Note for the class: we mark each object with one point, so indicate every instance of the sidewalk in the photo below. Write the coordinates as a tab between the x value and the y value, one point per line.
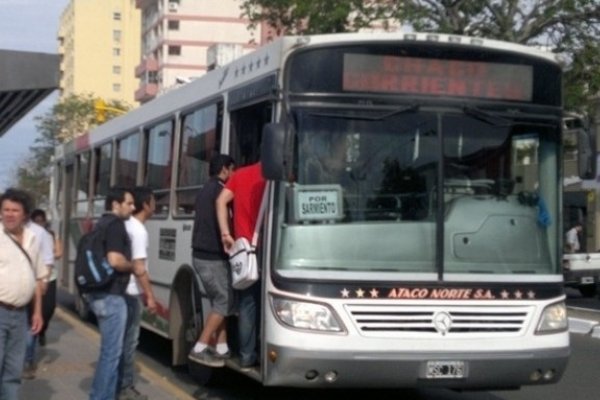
66	365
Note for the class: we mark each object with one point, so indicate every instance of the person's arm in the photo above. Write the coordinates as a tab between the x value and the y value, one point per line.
117	246
44	281
40	273
119	262
37	321
58	248
144	281
225	197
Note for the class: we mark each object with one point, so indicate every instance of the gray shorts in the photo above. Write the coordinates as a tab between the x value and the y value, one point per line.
216	279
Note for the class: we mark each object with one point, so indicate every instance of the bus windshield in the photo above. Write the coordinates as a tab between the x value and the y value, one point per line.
368	197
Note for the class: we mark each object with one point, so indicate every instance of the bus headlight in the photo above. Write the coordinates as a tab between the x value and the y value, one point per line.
305	315
553	319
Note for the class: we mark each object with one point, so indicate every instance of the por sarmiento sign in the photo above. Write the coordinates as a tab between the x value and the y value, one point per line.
318	202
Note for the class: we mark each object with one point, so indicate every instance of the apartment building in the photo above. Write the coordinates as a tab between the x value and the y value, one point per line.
99	45
176	37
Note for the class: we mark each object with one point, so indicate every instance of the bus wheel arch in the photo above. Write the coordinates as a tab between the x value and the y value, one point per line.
181	318
185	323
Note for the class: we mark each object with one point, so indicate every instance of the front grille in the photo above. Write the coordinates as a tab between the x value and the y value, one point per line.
372	320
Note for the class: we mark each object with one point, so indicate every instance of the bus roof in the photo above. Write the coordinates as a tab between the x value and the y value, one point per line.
342	38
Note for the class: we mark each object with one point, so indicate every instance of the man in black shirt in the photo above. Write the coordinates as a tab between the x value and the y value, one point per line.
211	264
108	304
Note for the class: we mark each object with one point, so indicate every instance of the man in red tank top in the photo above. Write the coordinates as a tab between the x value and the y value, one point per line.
245	189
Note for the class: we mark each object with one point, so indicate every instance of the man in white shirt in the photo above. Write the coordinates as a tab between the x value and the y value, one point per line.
138	234
21	273
572	238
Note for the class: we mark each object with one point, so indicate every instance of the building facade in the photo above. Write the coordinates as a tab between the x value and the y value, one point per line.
177	35
99	45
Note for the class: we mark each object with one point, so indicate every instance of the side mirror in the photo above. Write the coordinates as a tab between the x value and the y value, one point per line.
586	155
273	154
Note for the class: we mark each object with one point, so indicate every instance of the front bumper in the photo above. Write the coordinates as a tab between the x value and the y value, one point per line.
498	370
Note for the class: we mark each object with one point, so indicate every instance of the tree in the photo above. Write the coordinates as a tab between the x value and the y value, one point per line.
71	117
316	16
570	28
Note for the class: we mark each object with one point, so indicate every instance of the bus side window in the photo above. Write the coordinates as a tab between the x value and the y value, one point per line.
102	176
81	189
200	141
159	145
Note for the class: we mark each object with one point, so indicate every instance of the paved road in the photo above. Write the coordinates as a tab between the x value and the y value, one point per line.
228	385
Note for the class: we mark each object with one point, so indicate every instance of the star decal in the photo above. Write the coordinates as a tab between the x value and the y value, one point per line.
504	294
360	293
374	293
518	294
345	292
531	294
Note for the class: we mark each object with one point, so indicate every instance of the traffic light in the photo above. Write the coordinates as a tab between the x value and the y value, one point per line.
100	110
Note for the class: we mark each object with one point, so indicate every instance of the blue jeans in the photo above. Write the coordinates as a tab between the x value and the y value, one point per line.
111	314
247	323
13	334
130	342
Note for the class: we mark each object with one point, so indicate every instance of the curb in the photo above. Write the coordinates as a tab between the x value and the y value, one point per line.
145	370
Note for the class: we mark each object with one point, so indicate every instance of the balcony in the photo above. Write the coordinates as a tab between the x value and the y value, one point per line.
146	92
147	65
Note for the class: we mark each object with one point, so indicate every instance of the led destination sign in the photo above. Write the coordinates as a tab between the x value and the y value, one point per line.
441	77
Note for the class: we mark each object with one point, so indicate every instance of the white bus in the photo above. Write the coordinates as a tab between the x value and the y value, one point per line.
412	235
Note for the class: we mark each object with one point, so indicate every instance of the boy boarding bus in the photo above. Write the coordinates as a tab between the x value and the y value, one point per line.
412	235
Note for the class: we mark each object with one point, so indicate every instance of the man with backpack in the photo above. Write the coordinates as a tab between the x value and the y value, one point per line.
107	302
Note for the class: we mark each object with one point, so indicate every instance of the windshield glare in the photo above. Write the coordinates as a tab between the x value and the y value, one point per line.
367	195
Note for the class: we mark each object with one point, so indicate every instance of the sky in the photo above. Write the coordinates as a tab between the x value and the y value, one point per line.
26	25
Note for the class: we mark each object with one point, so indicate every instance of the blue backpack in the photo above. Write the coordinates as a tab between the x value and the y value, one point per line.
92	270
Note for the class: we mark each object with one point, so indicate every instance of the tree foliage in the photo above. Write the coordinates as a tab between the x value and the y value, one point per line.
570	28
70	117
316	16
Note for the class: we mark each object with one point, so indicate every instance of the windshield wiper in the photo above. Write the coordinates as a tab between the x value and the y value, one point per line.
486	116
378	117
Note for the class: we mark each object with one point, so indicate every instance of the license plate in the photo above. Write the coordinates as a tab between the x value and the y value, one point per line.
445	370
587	280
